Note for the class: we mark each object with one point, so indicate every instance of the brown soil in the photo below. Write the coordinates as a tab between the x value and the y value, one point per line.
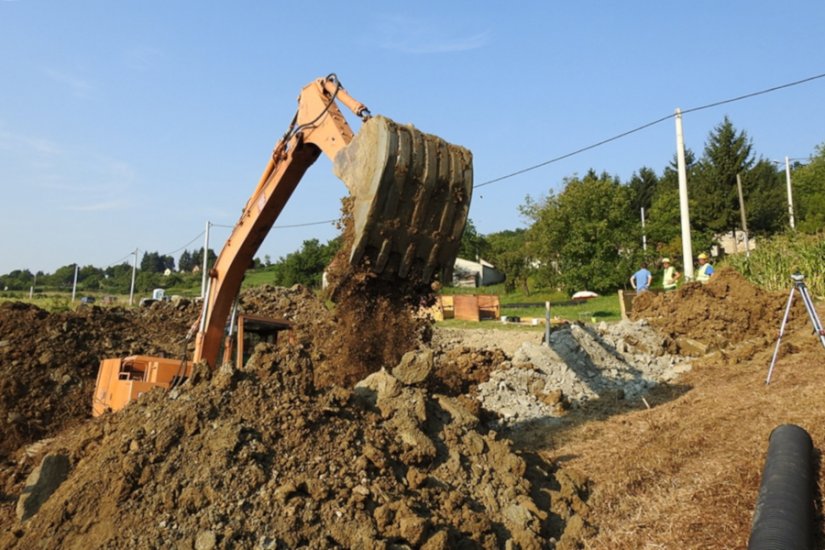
277	455
727	314
48	361
260	458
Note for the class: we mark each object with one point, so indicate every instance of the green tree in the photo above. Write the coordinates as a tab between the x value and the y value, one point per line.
19	279
305	266
764	190
714	199
809	193
586	236
473	244
508	253
643	186
156	263
186	263
197	258
664	219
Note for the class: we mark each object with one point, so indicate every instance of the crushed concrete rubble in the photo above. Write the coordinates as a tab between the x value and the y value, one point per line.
581	364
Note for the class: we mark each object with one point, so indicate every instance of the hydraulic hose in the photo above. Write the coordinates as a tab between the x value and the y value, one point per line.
784	515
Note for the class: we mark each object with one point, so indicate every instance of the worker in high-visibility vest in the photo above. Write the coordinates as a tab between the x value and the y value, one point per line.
669	275
705	269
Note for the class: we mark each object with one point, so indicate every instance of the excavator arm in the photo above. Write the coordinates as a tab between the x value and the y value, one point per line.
318	126
410	199
411	195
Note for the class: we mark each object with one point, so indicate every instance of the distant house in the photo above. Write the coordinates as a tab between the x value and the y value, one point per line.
167	272
732	243
474	274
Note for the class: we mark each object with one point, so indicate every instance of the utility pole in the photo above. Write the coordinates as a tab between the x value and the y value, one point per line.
687	247
205	258
644	237
742	213
134	270
790	192
74	284
34	284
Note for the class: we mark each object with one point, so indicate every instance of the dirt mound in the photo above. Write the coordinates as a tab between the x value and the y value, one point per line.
259	459
49	361
728	314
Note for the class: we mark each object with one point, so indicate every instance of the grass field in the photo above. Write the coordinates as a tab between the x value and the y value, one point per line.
602	308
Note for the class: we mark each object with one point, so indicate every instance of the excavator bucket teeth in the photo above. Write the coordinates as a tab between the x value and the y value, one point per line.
411	196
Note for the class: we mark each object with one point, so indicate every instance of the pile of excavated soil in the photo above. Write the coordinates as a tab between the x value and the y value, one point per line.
49	361
259	458
728	313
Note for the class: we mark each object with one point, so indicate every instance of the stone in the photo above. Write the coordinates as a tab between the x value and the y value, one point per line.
415	367
378	385
206	540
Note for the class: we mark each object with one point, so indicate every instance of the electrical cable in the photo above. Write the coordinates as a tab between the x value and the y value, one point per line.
198	236
120	260
648	125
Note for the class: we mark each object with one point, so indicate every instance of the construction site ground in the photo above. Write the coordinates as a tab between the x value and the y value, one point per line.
648	433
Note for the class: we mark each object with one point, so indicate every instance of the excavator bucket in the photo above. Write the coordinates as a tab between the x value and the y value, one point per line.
411	194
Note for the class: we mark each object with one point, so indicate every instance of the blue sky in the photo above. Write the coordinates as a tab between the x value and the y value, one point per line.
129	124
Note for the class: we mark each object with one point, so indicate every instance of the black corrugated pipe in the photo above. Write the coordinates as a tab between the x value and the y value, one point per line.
784	515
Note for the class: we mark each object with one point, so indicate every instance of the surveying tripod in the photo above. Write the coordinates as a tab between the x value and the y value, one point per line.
798	285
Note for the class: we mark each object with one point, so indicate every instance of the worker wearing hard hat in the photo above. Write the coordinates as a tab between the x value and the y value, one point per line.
670	275
705	269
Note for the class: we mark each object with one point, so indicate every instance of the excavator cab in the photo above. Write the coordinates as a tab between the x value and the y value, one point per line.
410	197
251	330
119	381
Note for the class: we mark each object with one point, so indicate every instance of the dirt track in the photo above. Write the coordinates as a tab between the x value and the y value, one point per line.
264	458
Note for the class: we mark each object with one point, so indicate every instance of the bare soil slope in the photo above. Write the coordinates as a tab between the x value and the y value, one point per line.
49	361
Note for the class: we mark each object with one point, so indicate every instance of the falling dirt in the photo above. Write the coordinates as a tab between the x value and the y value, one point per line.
376	319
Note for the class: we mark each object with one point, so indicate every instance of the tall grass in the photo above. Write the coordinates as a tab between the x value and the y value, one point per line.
771	264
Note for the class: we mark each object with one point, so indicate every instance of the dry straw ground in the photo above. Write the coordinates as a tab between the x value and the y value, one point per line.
686	472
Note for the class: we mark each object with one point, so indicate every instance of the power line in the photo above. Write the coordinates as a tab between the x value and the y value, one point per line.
285	226
120	260
304	224
648	125
198	236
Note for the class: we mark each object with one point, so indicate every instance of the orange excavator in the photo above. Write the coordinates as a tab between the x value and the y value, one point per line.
410	196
